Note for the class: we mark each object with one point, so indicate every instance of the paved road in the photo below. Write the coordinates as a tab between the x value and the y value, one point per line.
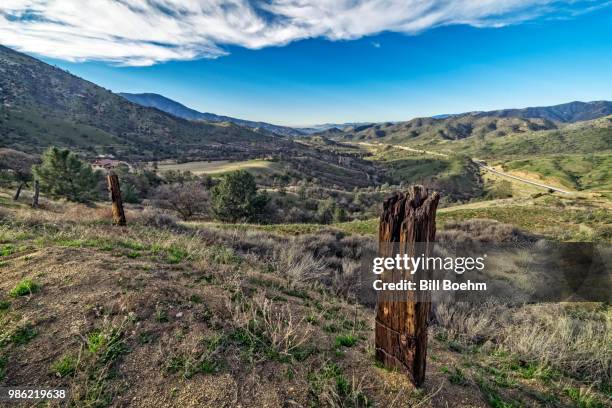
533	183
480	163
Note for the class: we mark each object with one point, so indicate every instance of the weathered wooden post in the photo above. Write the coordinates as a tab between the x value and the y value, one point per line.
36	193
18	192
401	323
115	193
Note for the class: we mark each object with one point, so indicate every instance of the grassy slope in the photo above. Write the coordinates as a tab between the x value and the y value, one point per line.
155	316
580	172
574	221
574	156
578	138
455	176
44	105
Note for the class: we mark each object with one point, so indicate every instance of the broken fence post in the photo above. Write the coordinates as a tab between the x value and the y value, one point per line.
36	194
401	323
115	193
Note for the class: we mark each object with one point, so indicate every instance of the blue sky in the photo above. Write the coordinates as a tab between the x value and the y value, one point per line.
555	57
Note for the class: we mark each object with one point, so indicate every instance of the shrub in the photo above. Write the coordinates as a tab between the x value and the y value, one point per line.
187	199
65	367
347	340
156	218
502	189
25	287
260	322
23	334
236	198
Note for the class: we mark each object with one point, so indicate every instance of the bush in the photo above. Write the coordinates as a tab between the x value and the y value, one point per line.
187	199
156	218
502	189
25	287
236	198
64	367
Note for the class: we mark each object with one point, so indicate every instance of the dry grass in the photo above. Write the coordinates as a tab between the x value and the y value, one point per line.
574	338
270	324
211	315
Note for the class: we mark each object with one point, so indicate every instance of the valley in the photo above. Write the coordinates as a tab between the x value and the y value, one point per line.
236	279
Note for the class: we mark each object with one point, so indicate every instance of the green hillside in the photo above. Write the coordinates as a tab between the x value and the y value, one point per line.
452	128
456	176
489	137
583	137
580	172
41	105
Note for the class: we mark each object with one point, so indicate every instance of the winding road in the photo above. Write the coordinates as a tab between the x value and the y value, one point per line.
478	162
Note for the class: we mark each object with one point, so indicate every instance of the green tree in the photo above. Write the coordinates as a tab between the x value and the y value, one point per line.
63	174
339	214
325	211
236	198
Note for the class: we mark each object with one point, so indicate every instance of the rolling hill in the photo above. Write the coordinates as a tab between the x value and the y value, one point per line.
177	109
592	136
42	105
480	124
566	113
451	128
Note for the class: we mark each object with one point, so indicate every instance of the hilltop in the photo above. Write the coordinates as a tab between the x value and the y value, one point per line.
201	315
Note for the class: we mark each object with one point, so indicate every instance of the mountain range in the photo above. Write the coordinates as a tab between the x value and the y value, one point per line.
481	124
42	105
172	107
564	113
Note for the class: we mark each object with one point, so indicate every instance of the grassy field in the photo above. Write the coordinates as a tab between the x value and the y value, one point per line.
221	166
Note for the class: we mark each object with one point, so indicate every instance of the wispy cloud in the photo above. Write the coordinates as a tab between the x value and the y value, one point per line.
145	32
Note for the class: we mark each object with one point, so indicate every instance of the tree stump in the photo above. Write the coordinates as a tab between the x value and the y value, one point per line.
115	193
401	323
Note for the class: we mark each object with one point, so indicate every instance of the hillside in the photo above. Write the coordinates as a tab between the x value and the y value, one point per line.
477	124
190	315
41	105
567	112
451	128
593	136
177	109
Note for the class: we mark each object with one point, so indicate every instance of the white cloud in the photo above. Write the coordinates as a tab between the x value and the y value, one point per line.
144	32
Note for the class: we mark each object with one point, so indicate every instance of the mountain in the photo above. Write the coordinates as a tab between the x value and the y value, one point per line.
42	105
459	122
451	128
177	109
566	113
480	124
327	126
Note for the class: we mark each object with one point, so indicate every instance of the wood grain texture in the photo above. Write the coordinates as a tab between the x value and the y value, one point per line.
408	220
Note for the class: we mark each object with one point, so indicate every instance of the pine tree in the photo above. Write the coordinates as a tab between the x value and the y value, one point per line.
236	198
63	174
